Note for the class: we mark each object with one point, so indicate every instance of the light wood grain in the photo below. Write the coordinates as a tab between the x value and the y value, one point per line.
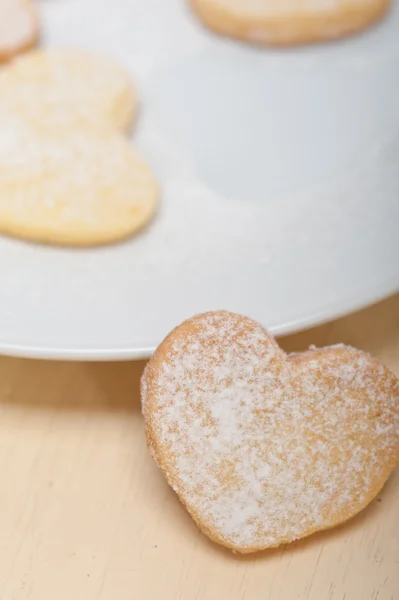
86	515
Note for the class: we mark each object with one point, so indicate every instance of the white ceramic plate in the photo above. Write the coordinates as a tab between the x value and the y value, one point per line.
280	178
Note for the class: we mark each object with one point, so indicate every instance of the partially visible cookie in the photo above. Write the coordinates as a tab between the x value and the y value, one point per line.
19	27
265	448
83	187
289	22
63	88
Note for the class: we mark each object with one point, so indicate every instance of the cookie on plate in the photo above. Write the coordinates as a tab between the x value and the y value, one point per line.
67	87
289	22
83	187
19	27
264	448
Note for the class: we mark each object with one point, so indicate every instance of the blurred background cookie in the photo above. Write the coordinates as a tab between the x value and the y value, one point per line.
81	187
289	22
19	27
62	87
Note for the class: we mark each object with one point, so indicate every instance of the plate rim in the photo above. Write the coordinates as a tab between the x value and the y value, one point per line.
145	351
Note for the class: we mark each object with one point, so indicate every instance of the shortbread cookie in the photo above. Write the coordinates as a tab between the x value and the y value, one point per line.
19	27
80	188
288	22
64	87
264	448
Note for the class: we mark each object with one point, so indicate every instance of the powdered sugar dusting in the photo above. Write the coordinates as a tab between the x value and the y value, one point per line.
263	449
84	178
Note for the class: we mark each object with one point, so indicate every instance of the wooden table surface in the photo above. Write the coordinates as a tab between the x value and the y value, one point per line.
86	515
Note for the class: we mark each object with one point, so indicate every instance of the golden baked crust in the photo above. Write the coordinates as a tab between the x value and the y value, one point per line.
289	22
264	448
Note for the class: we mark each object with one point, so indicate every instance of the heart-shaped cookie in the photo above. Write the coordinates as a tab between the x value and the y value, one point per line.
264	448
83	187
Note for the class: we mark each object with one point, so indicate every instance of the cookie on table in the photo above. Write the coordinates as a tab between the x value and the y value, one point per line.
261	447
64	87
84	187
19	27
289	22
